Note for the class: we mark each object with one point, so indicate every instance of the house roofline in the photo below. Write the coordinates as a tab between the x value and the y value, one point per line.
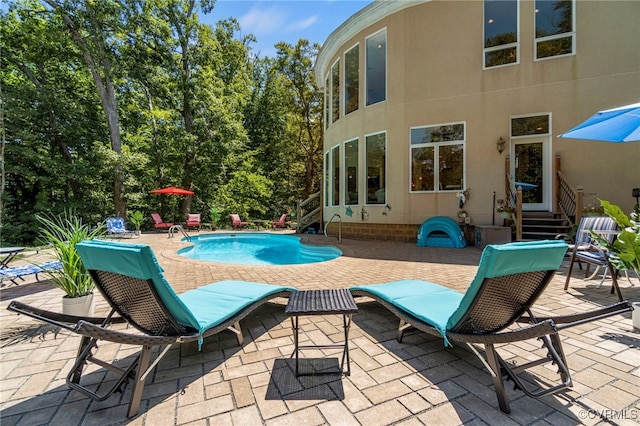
360	20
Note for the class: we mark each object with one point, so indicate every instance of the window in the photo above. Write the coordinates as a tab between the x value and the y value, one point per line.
335	175
554	28
375	164
376	63
326	102
335	92
500	32
327	179
532	125
437	158
351	172
351	79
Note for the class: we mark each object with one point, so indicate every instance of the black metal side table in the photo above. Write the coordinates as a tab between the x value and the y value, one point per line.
322	302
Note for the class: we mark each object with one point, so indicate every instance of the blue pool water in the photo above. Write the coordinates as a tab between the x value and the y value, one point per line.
257	249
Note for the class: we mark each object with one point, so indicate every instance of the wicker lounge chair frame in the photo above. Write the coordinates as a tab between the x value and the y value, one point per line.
136	302
500	303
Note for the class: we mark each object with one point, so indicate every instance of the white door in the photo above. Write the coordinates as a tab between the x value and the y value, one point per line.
531	169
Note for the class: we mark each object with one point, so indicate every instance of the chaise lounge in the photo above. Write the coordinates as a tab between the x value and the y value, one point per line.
132	282
509	279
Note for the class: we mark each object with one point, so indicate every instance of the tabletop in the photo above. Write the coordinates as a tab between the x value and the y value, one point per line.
319	302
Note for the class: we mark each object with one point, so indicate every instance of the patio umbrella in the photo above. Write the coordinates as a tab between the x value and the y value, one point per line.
172	190
613	125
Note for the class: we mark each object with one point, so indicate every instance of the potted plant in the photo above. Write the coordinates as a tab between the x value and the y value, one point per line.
136	217
505	211
62	233
625	249
214	214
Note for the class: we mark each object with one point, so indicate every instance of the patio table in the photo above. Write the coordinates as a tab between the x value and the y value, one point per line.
9	254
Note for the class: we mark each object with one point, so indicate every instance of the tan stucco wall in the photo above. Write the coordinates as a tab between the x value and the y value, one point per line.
435	75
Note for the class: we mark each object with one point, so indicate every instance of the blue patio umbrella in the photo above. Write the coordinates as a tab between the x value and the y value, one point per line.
620	124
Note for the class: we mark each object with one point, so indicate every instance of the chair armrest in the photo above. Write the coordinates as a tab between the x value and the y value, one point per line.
531	332
57	318
566	321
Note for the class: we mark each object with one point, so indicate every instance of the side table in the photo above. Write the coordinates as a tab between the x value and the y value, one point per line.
321	302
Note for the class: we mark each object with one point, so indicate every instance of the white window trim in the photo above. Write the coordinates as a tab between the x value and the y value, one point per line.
436	159
386	67
326	169
486	50
344	80
327	106
556	36
365	180
332	176
532	114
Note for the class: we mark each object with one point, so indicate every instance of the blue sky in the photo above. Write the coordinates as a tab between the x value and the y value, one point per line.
285	20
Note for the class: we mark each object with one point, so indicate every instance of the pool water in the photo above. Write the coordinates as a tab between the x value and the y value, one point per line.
257	249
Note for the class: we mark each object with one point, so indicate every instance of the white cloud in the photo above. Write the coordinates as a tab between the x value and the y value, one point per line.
260	22
302	24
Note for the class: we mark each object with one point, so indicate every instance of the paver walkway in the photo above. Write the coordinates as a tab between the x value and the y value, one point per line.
415	382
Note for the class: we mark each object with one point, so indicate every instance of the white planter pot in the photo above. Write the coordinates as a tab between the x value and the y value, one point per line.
635	315
79	306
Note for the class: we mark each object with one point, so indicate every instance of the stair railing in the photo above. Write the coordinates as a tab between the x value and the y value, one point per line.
308	211
514	200
570	201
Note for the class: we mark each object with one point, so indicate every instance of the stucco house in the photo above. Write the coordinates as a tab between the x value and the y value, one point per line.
432	107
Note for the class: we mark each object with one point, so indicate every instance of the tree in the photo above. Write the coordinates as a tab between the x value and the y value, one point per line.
304	104
94	27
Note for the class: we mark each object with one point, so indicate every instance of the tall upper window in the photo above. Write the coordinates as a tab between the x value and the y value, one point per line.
351	172
437	157
555	35
500	32
376	63
335	175
375	164
327	96
351	79
335	91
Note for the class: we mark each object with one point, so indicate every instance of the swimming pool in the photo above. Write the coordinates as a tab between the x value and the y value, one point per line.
257	249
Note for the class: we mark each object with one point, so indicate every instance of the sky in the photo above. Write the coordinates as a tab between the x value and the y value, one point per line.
272	21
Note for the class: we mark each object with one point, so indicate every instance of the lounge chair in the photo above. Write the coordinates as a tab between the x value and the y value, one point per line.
117	229
280	223
193	221
586	250
158	223
132	282
18	272
236	222
509	279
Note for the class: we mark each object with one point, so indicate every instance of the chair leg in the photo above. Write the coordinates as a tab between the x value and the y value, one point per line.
496	375
140	377
573	258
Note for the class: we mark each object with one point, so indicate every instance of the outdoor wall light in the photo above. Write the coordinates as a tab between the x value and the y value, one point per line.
500	144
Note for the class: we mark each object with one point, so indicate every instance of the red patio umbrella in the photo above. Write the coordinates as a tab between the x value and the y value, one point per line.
172	190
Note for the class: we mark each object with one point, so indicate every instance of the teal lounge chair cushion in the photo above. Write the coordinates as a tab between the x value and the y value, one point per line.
442	307
217	302
429	302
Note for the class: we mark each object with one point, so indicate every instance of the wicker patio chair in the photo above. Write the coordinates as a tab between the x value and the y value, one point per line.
130	279
509	279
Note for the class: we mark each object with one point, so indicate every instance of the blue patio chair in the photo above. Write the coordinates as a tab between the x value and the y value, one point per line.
116	228
18	272
131	280
509	279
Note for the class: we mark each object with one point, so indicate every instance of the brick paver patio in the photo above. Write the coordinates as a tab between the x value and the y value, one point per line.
415	382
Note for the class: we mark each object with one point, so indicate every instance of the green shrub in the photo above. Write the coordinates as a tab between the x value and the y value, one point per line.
62	233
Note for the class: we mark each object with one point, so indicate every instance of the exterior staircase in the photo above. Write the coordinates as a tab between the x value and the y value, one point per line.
543	225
